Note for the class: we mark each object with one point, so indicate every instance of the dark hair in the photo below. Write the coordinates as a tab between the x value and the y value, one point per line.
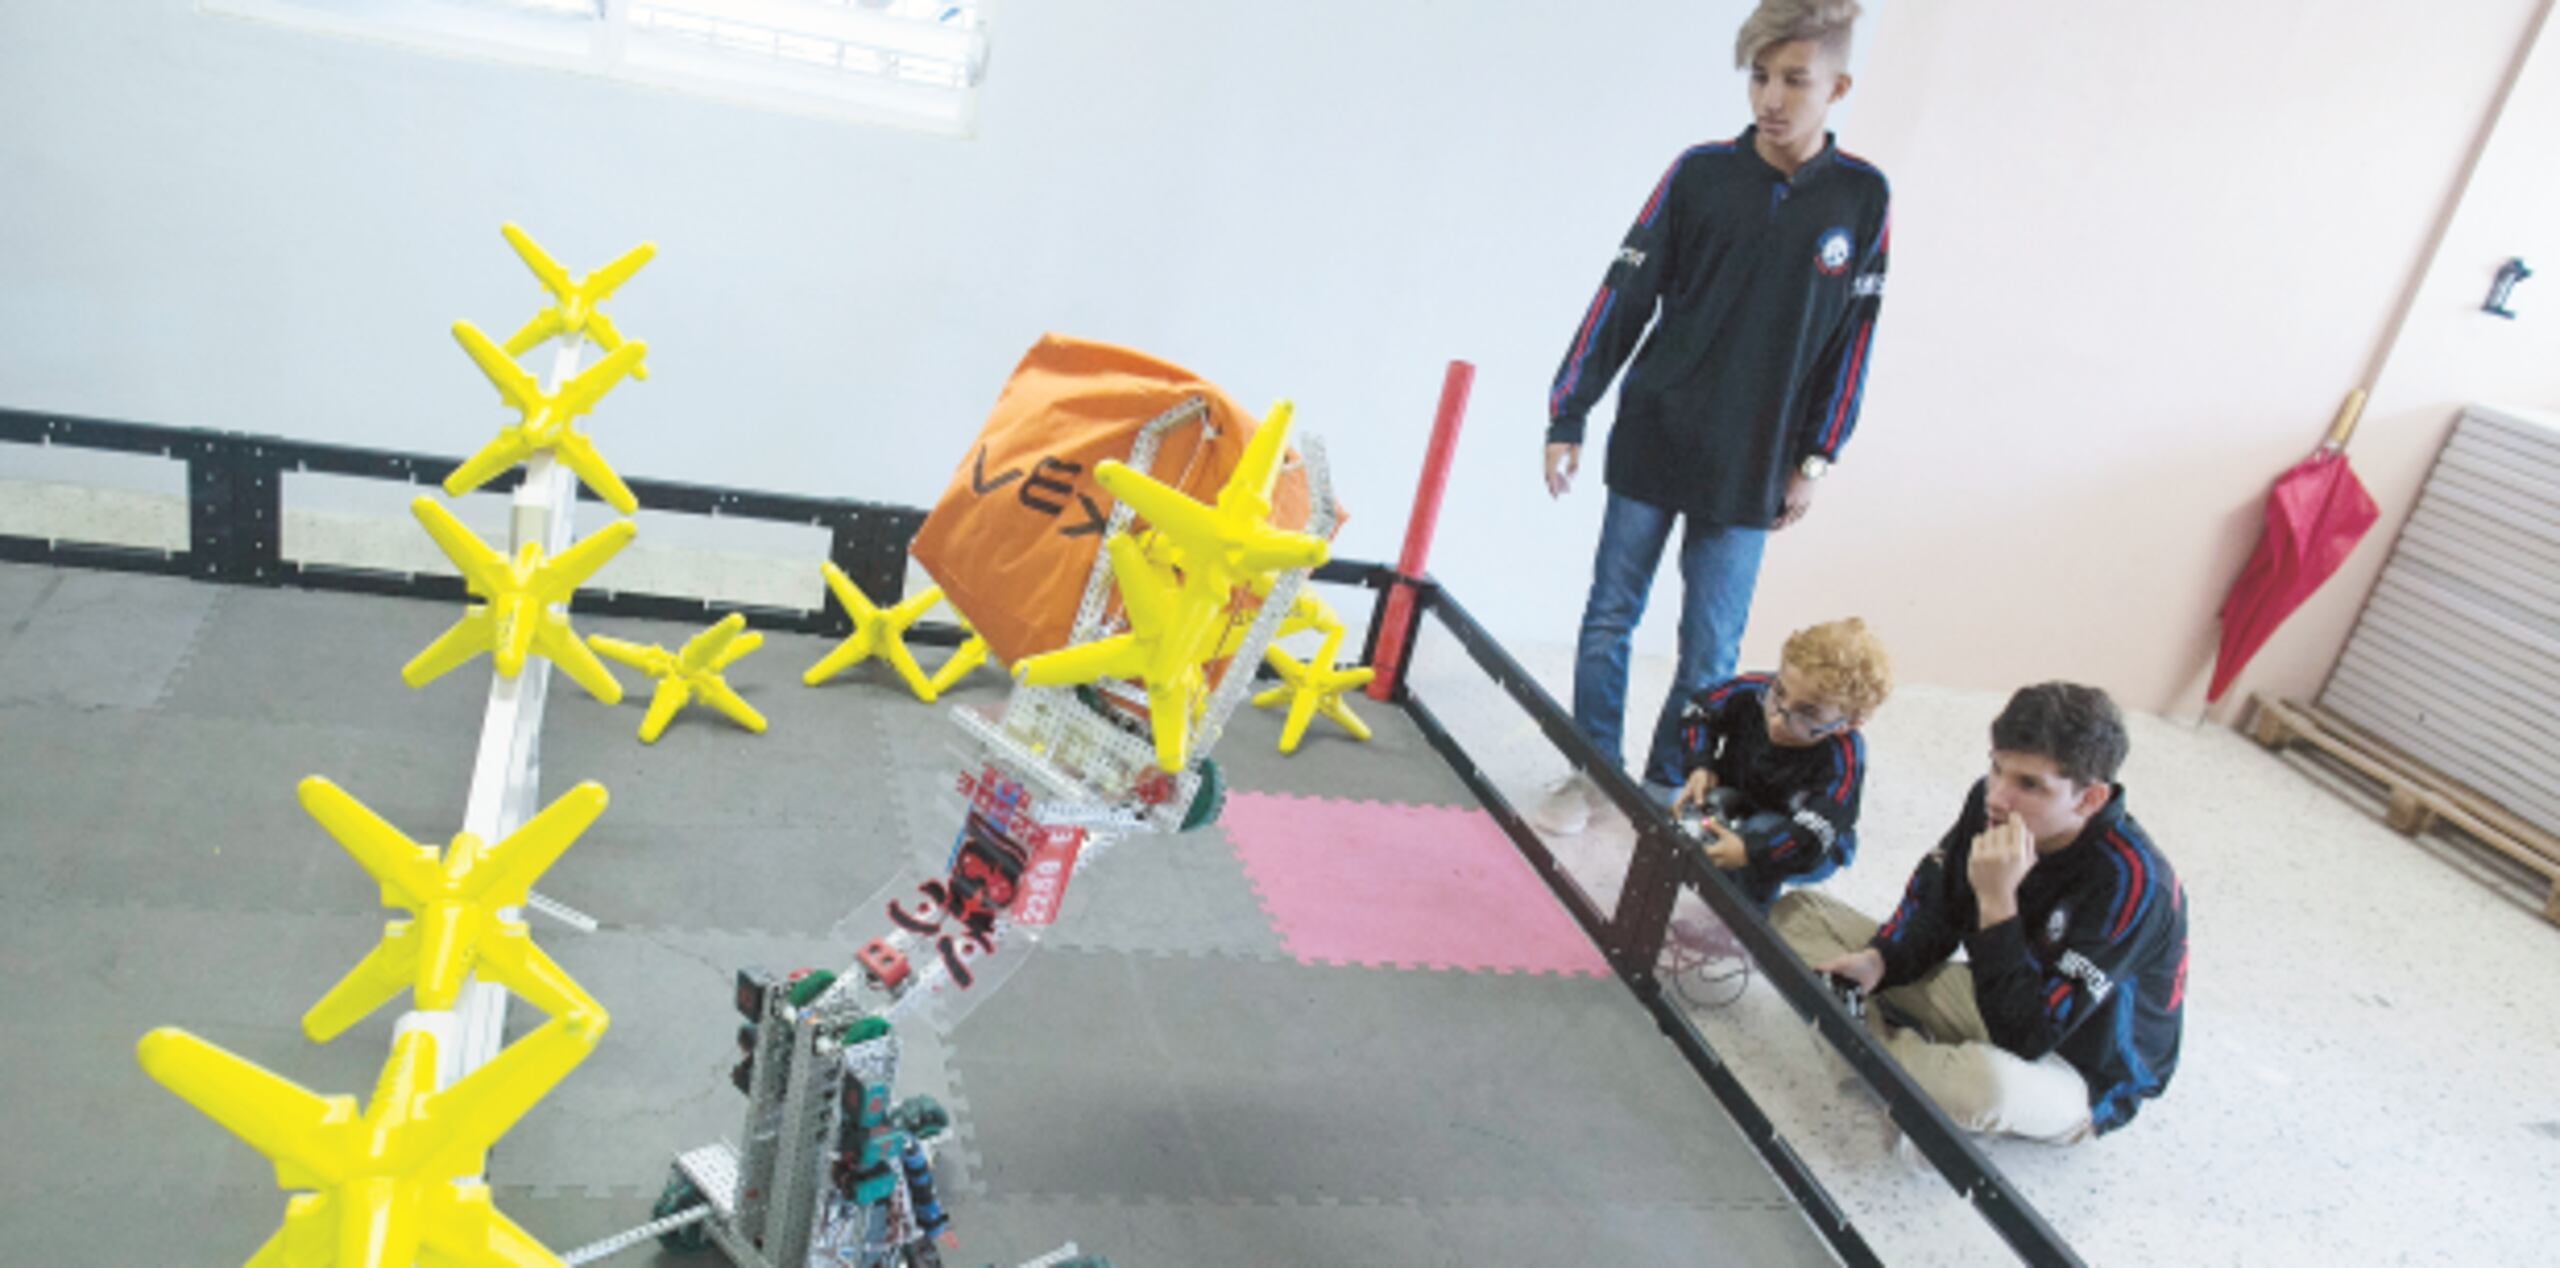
2078	727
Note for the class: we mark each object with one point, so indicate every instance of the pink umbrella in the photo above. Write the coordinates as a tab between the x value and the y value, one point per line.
2316	513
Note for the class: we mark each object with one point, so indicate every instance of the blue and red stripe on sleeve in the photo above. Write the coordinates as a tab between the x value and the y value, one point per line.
1603	305
1845	754
2133	886
1849	385
1891	930
1572	376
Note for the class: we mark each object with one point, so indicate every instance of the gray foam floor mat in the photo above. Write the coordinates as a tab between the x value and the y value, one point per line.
1133	1077
1157	1083
87	640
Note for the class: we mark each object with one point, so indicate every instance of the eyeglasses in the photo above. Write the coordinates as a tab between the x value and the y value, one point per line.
1807	718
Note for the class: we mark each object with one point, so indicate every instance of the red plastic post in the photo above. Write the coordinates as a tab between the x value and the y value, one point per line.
1389	658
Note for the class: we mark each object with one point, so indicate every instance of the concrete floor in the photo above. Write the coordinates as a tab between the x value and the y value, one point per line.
1159	1083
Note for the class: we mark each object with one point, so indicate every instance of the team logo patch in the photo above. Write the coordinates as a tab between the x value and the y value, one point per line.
2055	924
2073	964
1831	255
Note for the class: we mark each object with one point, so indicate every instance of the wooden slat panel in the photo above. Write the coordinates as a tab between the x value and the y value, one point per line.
2390	721
2534	464
2483	472
2455	662
2541	435
2467	563
2425	595
2416	793
2442	588
2535	842
2476	749
2470	651
2444	509
2469	715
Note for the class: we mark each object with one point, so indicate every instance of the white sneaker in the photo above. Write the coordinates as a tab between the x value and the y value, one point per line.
1566	808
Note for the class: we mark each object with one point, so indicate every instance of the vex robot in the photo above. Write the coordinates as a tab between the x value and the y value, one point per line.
1105	735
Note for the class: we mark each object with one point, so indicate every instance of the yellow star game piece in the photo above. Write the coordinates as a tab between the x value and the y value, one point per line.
516	617
399	1185
877	631
1148	651
547	419
455	926
1310	612
1315	685
693	671
971	653
1223	552
575	312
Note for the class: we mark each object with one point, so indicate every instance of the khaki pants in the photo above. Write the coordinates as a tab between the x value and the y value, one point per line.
1980	1085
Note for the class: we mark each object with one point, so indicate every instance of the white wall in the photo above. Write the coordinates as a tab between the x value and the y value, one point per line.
225	224
2449	353
2141	252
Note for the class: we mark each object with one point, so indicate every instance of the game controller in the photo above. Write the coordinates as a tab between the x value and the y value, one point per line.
1852	997
1721	806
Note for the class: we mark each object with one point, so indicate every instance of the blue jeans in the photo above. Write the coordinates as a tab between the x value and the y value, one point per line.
1719	566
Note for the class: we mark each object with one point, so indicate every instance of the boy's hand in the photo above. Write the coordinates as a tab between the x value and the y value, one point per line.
2001	858
1864	966
1694	792
1562	462
1724	849
1799	500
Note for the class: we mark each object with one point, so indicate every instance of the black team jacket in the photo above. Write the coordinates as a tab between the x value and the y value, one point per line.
1749	302
2094	967
1815	789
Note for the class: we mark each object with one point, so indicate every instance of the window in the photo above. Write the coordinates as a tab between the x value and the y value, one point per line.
911	63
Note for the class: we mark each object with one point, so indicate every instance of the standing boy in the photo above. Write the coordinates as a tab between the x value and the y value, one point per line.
1747	294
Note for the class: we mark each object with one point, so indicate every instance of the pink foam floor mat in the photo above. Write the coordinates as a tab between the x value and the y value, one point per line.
1350	882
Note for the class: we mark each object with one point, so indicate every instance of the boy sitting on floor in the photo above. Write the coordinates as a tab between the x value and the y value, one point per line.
1779	757
2065	1015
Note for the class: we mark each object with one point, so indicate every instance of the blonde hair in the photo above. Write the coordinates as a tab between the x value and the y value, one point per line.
1844	666
1825	22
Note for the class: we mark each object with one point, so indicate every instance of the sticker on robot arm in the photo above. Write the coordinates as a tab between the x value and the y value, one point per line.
1044	883
954	940
946	944
1008	858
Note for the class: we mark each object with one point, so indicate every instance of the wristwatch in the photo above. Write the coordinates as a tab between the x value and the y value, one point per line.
1813	466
